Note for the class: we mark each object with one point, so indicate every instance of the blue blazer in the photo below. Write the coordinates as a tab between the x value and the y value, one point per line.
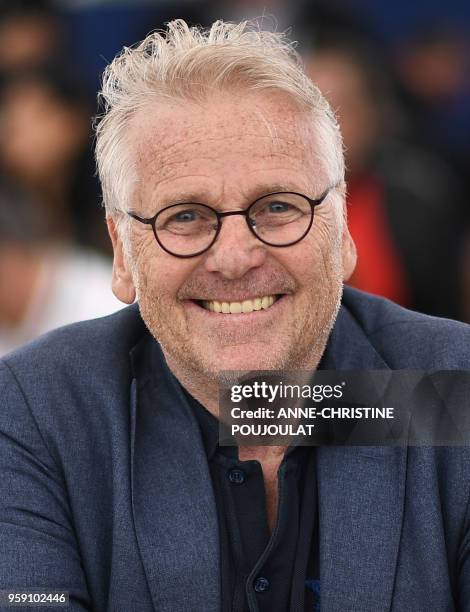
113	502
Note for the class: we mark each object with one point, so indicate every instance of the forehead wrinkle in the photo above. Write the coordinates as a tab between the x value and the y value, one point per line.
174	171
215	194
179	120
165	146
209	187
167	139
168	161
166	153
204	193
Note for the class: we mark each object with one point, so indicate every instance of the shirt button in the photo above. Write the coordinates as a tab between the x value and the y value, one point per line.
236	476
261	584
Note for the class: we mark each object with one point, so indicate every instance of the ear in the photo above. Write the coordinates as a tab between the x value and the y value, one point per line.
348	252
122	283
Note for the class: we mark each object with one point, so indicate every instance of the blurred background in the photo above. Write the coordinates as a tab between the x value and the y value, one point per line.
397	74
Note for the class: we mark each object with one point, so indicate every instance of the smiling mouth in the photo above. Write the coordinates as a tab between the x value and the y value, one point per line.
246	306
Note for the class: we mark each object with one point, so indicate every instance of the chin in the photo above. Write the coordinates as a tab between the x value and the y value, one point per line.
245	358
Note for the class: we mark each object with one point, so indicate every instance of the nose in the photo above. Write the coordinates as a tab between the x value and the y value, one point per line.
236	250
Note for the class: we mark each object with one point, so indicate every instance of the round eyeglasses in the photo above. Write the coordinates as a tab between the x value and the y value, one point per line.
188	229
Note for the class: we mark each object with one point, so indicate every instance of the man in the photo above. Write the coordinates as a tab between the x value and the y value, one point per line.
222	175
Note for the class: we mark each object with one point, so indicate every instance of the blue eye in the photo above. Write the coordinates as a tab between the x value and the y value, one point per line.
186	219
279	207
275	210
186	215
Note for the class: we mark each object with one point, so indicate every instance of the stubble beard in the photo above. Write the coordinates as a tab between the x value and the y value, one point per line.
198	374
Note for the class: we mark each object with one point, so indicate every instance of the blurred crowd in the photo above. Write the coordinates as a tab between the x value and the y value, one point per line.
397	76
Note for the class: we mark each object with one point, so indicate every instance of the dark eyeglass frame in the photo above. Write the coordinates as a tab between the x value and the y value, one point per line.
220	215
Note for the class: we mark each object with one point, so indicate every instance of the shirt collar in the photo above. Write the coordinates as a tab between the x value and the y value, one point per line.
208	425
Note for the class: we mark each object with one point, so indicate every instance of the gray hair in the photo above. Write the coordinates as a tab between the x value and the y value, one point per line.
187	63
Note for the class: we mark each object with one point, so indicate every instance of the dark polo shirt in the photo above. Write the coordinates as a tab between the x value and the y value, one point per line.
263	571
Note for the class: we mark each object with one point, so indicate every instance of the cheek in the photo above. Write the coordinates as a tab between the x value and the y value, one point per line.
148	271
328	237
159	278
156	284
319	256
157	289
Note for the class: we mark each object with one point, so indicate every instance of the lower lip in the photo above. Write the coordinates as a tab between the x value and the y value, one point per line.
242	317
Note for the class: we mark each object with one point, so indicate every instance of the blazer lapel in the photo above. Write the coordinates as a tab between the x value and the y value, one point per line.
361	498
172	498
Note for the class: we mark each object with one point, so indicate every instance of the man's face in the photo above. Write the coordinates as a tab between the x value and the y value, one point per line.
226	153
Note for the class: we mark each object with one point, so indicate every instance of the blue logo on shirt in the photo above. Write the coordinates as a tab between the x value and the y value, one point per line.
314	587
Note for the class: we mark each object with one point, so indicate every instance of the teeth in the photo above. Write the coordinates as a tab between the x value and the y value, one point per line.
247	306
259	303
235	308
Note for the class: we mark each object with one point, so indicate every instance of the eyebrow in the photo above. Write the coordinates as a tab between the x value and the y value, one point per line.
203	197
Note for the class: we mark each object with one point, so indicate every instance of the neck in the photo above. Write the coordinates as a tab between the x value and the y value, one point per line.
203	388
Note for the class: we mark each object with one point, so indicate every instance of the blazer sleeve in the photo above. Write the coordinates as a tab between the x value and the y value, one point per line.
464	566
38	547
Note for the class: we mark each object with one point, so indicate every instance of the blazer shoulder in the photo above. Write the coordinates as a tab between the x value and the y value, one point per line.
94	345
408	339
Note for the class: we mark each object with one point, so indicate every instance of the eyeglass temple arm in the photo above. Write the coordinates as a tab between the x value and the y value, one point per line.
141	219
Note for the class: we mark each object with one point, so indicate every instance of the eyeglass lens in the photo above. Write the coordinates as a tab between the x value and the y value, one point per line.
278	219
